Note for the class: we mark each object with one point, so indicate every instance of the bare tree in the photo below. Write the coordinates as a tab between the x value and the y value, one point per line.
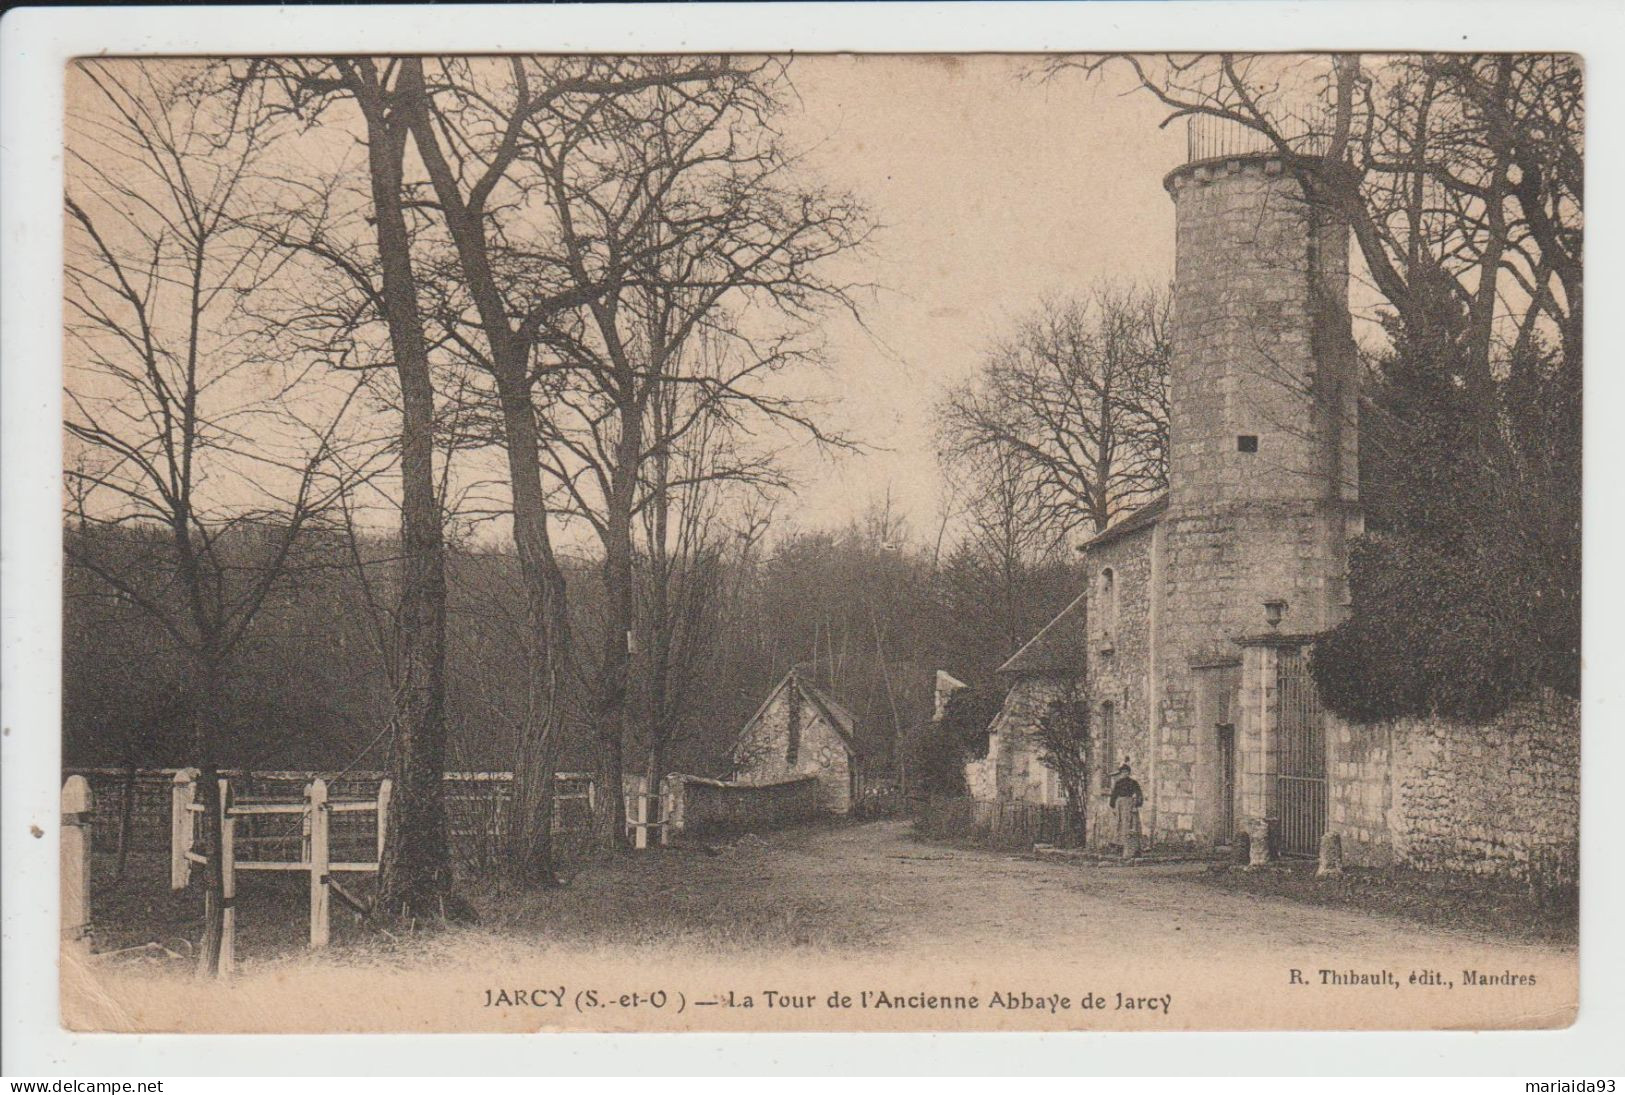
1065	748
472	127
186	414
1460	176
371	249
1071	409
677	214
1461	179
995	575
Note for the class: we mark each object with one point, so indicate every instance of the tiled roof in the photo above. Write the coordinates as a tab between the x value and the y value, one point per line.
837	714
1144	517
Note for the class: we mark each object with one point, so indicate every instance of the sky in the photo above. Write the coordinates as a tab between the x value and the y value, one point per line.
994	191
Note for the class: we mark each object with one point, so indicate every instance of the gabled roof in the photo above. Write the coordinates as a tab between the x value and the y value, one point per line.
1144	517
1060	646
833	711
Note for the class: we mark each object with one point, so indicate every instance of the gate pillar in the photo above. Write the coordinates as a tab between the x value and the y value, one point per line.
1256	748
1282	732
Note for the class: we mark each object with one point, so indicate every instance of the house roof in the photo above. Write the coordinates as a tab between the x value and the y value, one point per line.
833	711
1059	646
1142	518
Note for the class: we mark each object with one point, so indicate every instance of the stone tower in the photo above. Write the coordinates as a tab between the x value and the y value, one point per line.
1262	470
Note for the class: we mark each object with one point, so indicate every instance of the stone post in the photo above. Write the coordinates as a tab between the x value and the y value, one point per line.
1258	842
1331	856
75	858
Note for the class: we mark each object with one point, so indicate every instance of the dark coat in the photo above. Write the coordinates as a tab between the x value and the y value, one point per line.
1127	787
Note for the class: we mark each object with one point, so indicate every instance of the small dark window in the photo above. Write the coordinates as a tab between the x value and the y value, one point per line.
792	749
1247	442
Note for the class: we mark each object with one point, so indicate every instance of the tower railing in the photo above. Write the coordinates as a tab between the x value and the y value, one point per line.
1211	138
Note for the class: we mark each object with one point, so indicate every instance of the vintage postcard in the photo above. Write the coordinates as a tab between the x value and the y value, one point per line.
843	542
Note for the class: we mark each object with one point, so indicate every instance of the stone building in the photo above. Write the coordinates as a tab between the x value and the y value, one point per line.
800	730
1204	605
1047	669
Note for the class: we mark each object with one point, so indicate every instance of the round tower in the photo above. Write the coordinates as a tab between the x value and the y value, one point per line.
1263	387
1262	494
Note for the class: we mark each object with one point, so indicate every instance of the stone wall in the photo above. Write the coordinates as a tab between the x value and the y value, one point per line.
702	807
1012	770
1120	670
1503	798
762	754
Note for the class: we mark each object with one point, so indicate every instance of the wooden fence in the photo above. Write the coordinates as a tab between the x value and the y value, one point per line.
877	796
1012	826
301	839
131	809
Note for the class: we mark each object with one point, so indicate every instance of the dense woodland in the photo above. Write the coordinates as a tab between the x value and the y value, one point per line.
871	614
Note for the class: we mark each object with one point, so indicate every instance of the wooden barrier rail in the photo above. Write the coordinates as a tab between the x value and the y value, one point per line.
646	810
315	811
134	809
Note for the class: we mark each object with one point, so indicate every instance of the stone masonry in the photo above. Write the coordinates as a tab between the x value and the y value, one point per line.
763	752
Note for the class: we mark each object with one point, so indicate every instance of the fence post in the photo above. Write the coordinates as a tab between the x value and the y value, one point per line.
666	796
228	882
316	811
75	858
384	790
640	815
182	793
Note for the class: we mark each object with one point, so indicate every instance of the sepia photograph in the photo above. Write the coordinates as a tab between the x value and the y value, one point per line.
821	542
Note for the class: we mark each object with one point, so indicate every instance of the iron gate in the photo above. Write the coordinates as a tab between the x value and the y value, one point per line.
1301	786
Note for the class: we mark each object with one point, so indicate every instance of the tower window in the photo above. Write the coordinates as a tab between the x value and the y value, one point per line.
1247	442
1108	610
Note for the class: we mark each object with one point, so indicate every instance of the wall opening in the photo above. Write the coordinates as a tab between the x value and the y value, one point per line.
1108	610
1106	750
1247	442
792	749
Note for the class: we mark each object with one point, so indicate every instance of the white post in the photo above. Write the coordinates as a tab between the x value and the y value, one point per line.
228	882
316	810
665	810
640	823
181	819
385	788
75	858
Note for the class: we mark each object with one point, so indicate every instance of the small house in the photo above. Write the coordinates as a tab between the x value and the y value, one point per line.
1049	668
799	731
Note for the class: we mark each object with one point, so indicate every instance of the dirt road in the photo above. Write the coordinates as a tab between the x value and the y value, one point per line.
862	910
873	884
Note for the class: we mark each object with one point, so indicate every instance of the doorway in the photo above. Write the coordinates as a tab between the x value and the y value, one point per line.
1215	774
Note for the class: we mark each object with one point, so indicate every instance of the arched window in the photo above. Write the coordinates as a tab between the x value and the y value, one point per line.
1108	610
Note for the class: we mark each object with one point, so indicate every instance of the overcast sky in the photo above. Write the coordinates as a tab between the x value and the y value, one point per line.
994	191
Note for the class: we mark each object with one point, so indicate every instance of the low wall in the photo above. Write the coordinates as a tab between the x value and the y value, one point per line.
1503	798
702	807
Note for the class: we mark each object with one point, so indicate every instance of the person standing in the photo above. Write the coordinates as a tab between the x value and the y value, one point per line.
1126	800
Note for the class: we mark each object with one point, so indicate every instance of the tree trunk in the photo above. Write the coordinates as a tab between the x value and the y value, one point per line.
547	621
204	734
609	708
547	636
414	875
